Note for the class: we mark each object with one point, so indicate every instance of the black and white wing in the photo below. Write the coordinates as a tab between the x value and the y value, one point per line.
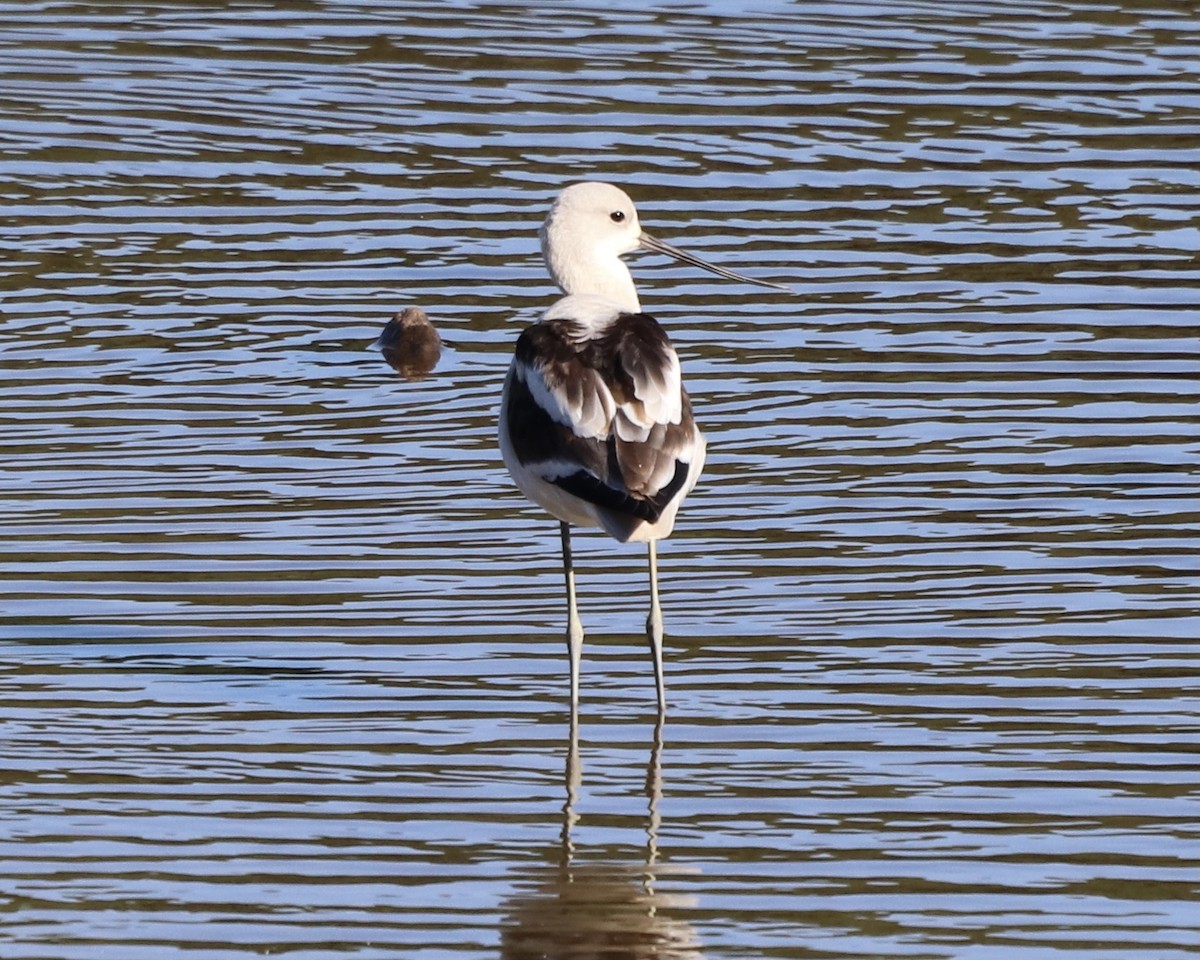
602	415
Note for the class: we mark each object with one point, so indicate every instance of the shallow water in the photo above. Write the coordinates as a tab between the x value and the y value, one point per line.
283	668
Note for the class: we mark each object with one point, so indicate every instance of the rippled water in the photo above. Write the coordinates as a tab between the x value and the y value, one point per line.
283	669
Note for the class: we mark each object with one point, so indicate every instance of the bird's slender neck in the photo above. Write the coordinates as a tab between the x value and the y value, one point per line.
594	273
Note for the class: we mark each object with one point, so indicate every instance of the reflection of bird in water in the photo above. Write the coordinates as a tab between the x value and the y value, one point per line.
410	343
595	426
599	910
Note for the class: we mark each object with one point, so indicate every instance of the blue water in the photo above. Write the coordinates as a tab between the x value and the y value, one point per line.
282	668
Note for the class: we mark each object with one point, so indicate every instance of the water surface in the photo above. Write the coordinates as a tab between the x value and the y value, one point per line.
283	669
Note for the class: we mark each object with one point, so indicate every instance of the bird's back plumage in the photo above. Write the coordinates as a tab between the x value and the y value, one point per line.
596	426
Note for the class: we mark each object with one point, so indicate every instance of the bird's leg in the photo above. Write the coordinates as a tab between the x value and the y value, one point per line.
654	629
574	780
574	625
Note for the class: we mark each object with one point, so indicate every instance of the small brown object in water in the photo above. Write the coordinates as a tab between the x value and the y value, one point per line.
410	343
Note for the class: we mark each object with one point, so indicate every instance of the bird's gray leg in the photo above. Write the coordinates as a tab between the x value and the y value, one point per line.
574	780
574	625
654	629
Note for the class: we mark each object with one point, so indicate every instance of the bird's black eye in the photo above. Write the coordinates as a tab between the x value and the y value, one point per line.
617	216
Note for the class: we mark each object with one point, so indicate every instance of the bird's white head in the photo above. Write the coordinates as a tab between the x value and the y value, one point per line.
588	228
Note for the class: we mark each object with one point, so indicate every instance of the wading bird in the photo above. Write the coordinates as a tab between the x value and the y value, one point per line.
595	425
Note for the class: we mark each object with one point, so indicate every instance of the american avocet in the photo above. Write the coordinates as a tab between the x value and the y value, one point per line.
595	425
